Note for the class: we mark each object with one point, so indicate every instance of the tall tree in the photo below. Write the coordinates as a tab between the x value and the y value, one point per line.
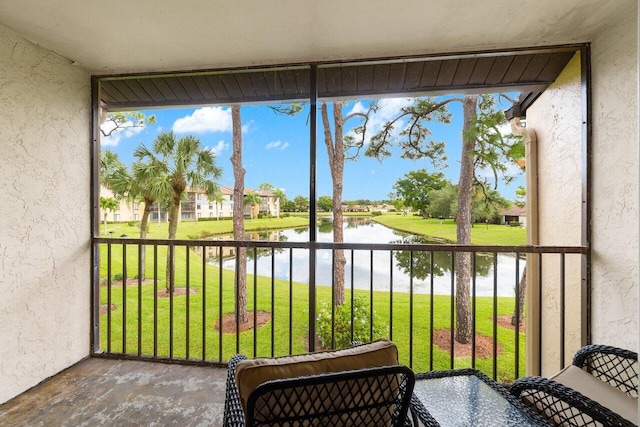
252	199
108	204
277	193
238	215
136	186
113	122
218	199
483	147
337	146
417	187
301	203
325	203
175	164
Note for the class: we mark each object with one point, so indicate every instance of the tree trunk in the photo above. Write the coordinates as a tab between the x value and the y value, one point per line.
238	215
335	151
463	223
173	229
144	223
522	289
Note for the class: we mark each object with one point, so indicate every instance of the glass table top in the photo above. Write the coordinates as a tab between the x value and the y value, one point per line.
465	400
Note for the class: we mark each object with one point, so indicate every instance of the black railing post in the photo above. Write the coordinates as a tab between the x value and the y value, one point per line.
313	100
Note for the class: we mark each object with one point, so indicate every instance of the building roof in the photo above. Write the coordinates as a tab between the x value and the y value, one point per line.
514	211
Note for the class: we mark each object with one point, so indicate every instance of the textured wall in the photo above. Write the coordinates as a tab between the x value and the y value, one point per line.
556	118
44	225
615	183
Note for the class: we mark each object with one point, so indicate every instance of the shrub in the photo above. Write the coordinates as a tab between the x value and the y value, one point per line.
514	224
376	213
131	223
118	276
342	324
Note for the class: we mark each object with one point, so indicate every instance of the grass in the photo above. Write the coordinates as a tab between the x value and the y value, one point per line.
200	229
166	331
481	234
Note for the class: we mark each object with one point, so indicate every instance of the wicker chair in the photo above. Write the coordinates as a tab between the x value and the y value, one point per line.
376	396
600	388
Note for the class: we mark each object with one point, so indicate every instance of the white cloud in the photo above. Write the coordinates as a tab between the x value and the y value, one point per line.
203	120
117	134
276	145
219	148
387	109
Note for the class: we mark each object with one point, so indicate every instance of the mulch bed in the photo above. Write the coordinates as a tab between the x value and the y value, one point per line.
505	322
103	308
229	322
484	345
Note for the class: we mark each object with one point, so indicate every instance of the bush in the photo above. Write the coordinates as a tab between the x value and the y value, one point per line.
342	324
514	224
376	213
118	276
131	223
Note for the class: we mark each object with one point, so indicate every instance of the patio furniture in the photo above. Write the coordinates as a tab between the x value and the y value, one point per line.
358	386
600	388
466	397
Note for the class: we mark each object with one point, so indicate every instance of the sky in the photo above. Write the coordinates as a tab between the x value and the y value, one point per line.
276	148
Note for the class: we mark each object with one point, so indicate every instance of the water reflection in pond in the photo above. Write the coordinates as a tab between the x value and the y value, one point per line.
376	269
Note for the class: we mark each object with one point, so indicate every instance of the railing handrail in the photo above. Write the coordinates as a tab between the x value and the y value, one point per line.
445	247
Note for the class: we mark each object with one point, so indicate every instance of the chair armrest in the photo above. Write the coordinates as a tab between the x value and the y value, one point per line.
615	366
233	412
562	405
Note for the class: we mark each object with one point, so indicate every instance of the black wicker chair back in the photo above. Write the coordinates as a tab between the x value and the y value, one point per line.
564	406
365	397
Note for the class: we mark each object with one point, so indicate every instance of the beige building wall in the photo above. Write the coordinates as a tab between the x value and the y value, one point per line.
615	183
45	229
556	118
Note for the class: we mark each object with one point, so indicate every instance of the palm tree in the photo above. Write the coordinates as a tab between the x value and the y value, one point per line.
108	204
172	165
138	185
218	198
251	199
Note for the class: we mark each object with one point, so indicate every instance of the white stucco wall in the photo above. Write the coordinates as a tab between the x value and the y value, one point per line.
615	183
556	118
44	214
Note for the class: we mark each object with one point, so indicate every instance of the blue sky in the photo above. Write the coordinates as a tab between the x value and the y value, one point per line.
276	148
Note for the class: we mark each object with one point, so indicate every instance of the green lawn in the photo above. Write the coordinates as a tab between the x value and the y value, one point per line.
203	315
481	234
199	229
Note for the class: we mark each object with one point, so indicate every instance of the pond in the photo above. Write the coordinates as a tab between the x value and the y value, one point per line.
377	269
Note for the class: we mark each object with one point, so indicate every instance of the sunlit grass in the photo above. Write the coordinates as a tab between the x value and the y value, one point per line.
167	329
481	234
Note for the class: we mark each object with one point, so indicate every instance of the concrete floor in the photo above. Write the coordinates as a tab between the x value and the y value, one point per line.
103	392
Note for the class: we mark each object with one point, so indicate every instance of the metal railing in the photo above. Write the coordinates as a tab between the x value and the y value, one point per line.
407	292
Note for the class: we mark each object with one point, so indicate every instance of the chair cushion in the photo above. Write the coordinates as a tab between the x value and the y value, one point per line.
607	395
250	373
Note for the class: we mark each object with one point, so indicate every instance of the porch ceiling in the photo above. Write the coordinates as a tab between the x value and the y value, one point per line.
123	36
524	70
